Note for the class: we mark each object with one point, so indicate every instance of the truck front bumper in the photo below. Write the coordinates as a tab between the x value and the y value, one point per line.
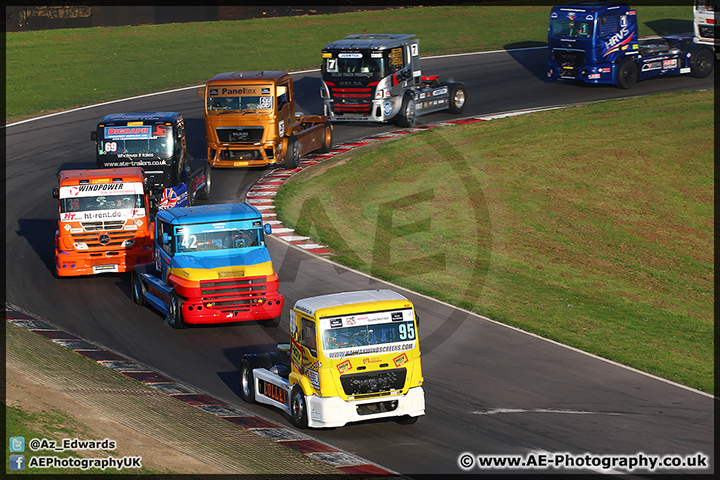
336	412
231	156
601	73
381	110
69	264
195	312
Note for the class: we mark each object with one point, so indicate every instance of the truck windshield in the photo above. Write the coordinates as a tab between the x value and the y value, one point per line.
136	141
350	64
206	237
101	202
566	27
367	330
234	103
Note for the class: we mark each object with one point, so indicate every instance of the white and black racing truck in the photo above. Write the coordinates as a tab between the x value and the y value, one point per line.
377	78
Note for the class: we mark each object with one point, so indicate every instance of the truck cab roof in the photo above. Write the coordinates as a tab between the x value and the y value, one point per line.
140	116
591	6
253	75
370	41
209	213
134	173
312	305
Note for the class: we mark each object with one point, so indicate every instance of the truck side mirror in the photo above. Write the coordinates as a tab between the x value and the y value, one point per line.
267	229
201	92
55	192
165	238
93	136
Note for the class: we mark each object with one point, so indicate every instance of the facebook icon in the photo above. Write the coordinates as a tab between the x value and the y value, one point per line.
17	462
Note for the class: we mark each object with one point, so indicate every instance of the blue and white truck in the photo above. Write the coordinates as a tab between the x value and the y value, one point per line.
597	42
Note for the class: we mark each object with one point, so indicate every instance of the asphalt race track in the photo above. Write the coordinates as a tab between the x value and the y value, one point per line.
489	389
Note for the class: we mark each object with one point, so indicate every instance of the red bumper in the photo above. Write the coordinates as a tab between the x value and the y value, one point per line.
195	312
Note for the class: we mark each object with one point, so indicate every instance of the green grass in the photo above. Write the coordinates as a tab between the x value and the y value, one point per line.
52	70
53	425
584	226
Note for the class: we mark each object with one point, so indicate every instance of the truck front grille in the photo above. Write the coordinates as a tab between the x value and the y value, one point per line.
103	225
240	134
569	57
104	240
234	293
351	100
373	382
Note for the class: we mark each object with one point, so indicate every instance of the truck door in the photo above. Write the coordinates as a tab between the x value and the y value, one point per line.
163	248
308	340
285	107
180	145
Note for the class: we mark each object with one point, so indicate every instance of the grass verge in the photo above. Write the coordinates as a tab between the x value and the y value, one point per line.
55	393
582	225
52	70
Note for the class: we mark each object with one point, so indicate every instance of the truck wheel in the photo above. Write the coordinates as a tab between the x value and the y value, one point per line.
247	382
175	312
138	288
327	138
208	182
702	63
627	73
298	407
406	420
292	156
406	115
457	98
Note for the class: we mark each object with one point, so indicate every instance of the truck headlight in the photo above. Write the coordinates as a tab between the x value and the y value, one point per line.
128	243
379	93
80	246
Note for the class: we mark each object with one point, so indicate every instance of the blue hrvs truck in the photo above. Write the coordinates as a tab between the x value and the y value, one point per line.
597	42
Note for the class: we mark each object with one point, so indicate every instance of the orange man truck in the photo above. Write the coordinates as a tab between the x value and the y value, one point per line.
250	121
103	221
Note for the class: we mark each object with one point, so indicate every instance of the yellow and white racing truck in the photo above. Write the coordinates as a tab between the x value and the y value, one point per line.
352	356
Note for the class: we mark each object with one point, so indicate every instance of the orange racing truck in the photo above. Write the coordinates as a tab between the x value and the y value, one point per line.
251	121
103	221
352	356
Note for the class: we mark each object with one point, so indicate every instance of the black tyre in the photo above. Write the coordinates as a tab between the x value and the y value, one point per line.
627	73
406	420
292	156
175	313
137	288
298	407
208	182
327	138
702	63
406	116
247	382
456	103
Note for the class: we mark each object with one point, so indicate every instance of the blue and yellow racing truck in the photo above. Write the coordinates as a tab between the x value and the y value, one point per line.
597	42
211	266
